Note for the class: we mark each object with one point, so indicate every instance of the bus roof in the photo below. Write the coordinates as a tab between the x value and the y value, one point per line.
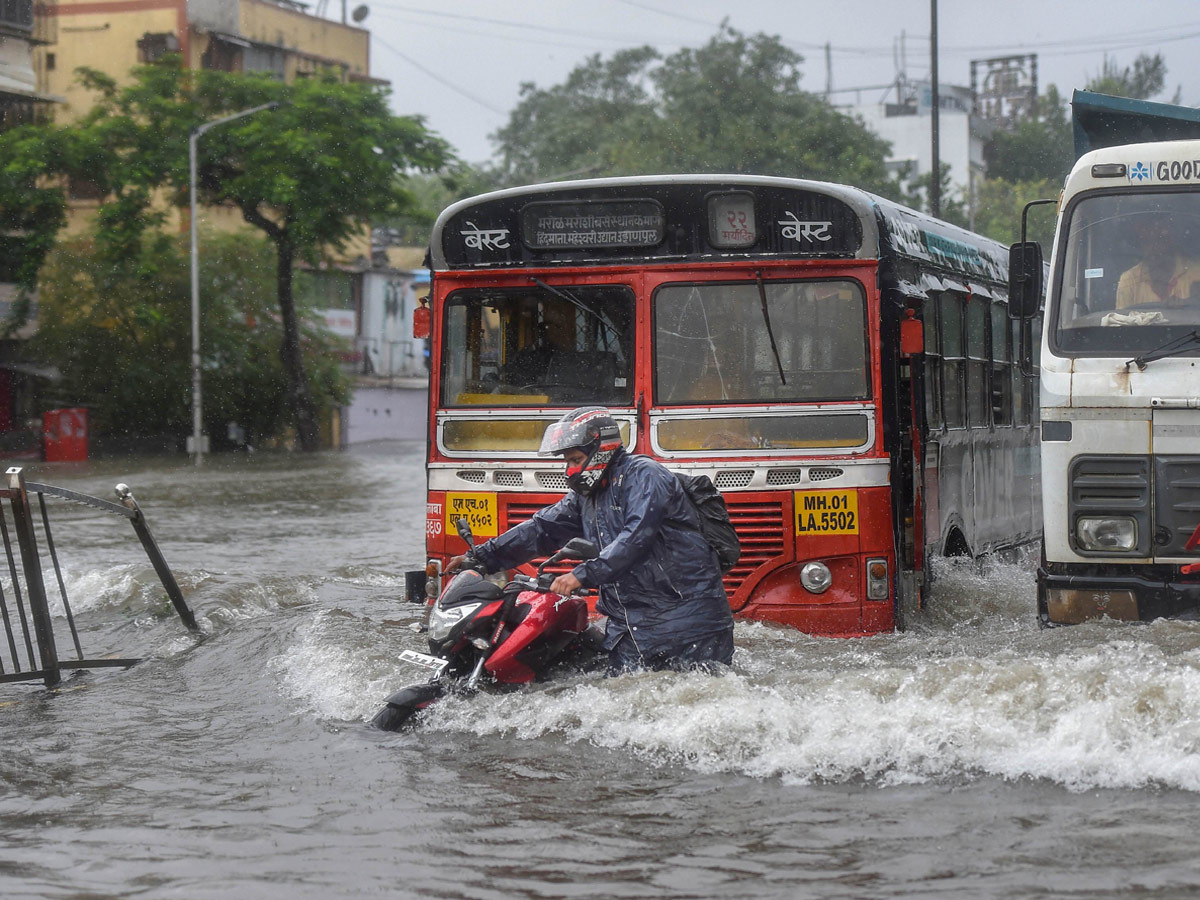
495	229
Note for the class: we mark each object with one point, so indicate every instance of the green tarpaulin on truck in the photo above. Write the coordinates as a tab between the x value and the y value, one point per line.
1101	120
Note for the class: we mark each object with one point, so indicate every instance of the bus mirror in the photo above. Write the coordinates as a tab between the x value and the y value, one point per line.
1024	279
912	334
421	319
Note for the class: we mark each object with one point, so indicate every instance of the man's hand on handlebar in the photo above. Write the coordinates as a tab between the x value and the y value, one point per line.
566	584
459	562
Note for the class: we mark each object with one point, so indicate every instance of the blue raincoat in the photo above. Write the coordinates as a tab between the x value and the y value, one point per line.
659	580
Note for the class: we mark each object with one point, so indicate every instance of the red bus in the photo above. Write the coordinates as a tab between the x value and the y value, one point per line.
841	367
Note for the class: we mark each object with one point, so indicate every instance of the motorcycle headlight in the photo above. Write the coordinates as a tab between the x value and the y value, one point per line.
1118	533
442	621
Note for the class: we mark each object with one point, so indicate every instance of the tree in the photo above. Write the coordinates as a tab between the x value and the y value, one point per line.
734	105
121	333
311	174
1042	147
1038	148
1141	81
31	210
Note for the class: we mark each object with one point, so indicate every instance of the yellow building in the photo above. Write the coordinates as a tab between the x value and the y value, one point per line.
228	35
273	36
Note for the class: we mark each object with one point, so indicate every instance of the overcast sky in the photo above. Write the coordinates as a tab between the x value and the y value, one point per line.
460	63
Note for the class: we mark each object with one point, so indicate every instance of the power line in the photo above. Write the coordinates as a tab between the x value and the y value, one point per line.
438	78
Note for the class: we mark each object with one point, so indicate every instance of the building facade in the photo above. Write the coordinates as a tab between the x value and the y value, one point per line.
905	121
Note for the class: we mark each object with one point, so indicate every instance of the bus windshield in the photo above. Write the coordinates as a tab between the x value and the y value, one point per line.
747	342
1131	273
538	346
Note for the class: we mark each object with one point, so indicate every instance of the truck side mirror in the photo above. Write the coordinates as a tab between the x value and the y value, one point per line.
1024	279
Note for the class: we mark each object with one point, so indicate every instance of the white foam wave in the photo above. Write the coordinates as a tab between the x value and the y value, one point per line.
1115	715
328	672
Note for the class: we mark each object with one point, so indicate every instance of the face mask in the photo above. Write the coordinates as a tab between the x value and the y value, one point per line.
587	477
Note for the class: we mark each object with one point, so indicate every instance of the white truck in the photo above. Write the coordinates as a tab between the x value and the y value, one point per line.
1120	384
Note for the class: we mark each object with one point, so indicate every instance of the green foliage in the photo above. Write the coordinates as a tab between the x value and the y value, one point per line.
430	194
998	207
311	174
734	105
31	212
1038	148
121	335
1141	81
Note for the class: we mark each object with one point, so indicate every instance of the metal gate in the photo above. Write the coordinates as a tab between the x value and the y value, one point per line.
24	605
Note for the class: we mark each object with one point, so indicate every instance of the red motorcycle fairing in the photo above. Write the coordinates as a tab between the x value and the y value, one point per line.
565	618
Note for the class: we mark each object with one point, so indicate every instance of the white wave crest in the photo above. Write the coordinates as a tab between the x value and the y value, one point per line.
1110	716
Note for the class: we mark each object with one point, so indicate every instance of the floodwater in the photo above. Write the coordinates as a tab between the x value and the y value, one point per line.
971	756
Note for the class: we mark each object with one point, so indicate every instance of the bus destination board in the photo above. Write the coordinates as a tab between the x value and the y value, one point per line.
596	223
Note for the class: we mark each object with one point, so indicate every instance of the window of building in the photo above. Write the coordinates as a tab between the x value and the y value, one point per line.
153	47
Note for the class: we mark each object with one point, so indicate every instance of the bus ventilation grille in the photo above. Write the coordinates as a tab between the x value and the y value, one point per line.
777	477
508	479
759	526
552	481
472	475
520	512
824	474
737	478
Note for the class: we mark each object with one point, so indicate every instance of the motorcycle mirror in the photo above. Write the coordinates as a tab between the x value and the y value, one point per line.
464	532
576	548
579	548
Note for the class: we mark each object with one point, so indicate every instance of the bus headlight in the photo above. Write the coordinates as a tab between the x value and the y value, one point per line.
816	578
1107	533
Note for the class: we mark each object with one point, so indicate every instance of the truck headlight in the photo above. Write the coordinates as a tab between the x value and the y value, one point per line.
1107	533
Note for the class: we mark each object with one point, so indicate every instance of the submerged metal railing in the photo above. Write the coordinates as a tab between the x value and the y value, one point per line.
26	611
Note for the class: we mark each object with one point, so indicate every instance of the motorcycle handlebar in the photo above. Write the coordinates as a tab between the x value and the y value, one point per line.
536	583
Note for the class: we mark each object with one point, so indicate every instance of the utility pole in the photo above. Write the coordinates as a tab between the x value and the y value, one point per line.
197	429
935	175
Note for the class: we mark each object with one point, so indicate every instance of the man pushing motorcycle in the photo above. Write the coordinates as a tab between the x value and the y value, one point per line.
659	579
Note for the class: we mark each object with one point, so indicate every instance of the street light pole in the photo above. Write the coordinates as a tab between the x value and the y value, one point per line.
193	138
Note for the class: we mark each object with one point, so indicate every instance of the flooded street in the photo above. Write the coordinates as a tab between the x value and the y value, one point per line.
971	756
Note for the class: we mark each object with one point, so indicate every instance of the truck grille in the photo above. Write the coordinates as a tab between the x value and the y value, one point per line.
1177	502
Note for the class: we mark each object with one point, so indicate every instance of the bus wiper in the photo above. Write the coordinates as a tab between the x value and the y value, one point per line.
766	313
1170	348
579	304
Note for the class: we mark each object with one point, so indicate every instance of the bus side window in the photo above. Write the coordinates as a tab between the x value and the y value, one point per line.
978	366
933	364
1002	395
954	406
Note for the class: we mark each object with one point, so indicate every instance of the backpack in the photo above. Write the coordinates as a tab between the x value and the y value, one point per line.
715	524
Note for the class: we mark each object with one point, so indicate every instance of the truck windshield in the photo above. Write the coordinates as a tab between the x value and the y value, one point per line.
1130	279
538	346
749	343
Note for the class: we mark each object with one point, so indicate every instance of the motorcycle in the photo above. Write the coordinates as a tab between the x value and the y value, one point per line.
481	632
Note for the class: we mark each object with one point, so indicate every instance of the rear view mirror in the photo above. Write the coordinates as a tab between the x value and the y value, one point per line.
579	548
1024	279
576	548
